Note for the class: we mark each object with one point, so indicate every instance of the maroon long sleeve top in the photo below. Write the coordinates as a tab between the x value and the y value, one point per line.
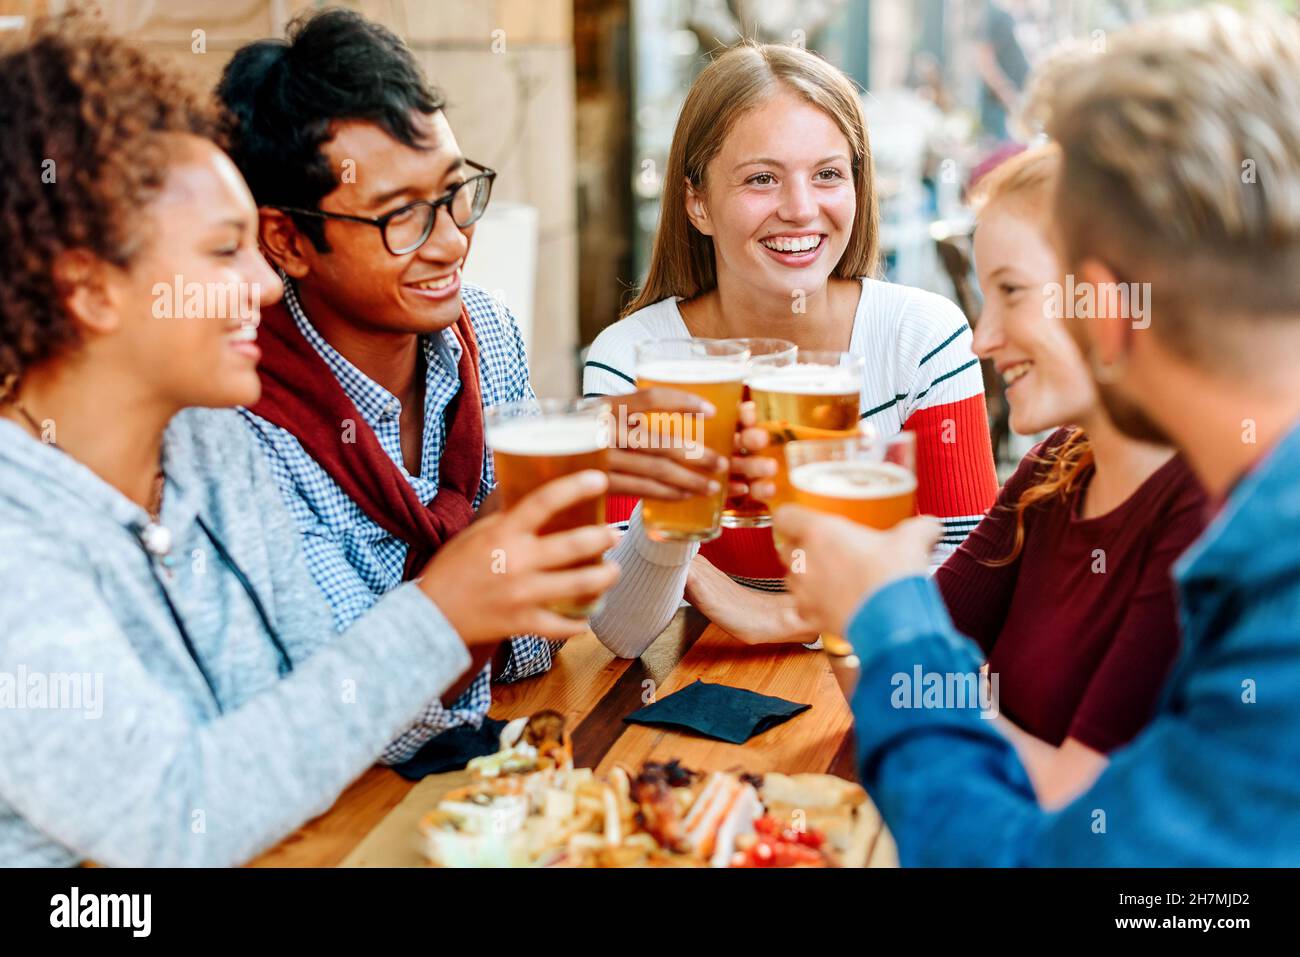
1082	628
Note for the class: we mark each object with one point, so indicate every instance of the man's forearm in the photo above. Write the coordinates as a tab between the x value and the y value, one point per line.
949	784
954	793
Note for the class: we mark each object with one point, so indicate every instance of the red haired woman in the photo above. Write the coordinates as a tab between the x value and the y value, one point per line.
1066	584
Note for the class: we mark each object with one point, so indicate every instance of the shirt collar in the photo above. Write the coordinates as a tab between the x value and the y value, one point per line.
1254	534
373	401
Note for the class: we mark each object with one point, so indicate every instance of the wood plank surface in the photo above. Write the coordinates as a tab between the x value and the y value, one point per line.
326	840
811	741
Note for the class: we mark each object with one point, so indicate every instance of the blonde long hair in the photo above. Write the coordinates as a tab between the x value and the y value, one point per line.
742	78
1028	181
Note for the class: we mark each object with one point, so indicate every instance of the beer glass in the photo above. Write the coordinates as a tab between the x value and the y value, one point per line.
818	396
714	370
871	481
536	440
745	511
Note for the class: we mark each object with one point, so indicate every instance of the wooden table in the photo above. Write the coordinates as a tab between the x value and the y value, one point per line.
595	690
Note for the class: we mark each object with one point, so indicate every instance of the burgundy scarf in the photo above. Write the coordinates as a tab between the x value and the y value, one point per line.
301	395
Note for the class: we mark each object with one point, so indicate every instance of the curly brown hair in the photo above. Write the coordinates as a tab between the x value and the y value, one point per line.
83	117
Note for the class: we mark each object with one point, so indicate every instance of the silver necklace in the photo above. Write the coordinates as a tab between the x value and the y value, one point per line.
154	536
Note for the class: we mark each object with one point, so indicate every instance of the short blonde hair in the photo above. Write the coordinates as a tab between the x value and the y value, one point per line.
1181	148
741	79
1028	178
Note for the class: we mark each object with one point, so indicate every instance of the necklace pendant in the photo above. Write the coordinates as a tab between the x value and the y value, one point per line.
157	539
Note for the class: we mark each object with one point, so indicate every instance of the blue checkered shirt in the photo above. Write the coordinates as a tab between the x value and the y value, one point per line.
353	560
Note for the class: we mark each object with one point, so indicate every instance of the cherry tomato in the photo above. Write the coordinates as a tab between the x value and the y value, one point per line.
812	838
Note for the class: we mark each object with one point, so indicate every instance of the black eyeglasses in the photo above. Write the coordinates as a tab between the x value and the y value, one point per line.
406	230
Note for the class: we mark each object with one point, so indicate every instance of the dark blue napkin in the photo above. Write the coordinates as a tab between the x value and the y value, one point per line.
452	750
718	711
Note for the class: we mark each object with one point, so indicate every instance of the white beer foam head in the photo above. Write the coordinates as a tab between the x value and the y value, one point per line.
806	378
690	371
855	480
536	435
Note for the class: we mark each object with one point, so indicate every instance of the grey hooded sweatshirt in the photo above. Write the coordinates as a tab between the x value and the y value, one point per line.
115	745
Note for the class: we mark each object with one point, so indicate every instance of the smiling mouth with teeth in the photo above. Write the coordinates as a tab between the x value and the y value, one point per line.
435	284
792	244
1016	372
245	333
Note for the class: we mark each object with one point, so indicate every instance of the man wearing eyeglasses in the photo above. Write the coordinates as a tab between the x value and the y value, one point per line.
379	361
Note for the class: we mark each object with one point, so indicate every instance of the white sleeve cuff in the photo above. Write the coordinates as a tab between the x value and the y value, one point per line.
667	554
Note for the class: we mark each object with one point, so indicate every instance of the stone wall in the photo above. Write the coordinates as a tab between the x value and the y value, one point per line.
506	67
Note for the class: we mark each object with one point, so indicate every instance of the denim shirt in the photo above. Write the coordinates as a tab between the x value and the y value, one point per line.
1214	780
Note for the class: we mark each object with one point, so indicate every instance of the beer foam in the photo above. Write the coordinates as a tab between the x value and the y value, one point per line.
537	435
806	378
855	480
689	371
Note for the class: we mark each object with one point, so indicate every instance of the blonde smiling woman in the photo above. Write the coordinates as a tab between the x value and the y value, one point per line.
769	229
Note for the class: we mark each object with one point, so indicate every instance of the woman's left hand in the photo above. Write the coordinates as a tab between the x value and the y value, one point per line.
673	474
750	474
666	473
751	616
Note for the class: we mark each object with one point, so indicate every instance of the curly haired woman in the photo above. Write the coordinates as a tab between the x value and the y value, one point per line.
147	561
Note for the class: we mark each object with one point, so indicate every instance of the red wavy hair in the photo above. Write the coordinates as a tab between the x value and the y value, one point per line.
1026	183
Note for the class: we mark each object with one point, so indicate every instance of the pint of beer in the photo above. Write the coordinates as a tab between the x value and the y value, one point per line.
536	440
867	480
815	397
745	511
714	370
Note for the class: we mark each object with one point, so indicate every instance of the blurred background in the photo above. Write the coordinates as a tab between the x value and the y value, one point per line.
574	102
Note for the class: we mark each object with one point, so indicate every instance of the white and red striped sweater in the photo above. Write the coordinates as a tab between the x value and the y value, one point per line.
920	376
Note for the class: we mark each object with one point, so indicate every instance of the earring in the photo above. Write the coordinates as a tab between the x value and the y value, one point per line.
1105	373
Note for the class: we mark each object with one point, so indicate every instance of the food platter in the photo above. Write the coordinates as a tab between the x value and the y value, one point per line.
528	806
